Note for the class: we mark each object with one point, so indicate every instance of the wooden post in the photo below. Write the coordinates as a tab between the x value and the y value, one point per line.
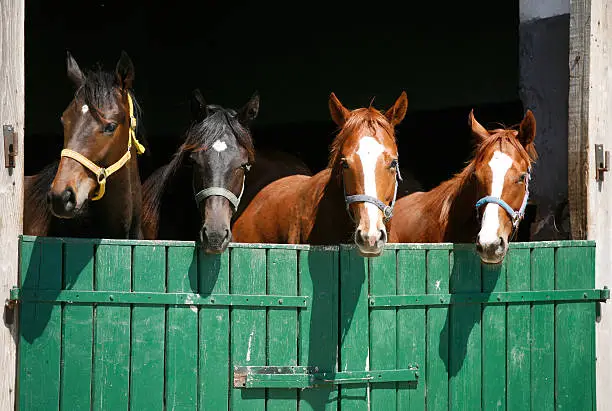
11	185
590	123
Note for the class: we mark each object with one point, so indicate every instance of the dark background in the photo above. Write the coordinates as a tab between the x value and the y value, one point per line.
449	57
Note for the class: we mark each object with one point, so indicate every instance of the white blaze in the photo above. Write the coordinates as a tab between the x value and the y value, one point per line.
500	164
85	108
369	151
219	146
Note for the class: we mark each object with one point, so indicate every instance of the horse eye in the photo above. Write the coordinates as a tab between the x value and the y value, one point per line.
110	128
393	163
522	178
246	167
344	163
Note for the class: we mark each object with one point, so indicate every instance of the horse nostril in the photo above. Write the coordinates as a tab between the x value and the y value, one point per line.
49	197
383	236
502	242
227	234
479	247
69	199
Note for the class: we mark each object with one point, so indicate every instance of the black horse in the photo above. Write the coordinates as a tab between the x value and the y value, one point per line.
195	195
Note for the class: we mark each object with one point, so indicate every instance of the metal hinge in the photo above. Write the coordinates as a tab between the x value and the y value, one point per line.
308	377
602	161
10	145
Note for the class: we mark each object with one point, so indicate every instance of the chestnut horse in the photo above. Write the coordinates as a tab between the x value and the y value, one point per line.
351	200
497	179
95	189
195	195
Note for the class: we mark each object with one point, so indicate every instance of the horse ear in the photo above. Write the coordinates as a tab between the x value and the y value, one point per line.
396	114
338	112
199	110
250	110
74	72
527	130
477	129
125	71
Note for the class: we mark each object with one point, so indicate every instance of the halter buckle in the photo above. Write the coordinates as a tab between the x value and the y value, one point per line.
387	213
102	176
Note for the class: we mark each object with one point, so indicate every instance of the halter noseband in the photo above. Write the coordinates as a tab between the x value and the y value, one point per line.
515	216
387	210
222	192
103	173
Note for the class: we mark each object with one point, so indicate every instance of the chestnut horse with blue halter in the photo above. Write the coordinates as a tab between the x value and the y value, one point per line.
95	190
496	180
195	195
351	200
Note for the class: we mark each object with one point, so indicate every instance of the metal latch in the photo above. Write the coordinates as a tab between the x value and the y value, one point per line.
10	145
602	161
308	377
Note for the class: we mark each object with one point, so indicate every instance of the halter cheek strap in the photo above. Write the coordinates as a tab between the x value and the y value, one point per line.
516	216
222	192
103	173
387	210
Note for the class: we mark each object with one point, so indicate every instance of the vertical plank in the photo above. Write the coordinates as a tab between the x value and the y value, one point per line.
40	342
77	329
111	363
354	337
148	325
519	330
282	324
494	340
318	344
182	332
465	333
12	62
543	332
383	330
214	367
411	346
248	329
575	331
438	339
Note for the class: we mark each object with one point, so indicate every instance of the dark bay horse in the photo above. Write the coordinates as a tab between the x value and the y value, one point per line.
94	190
496	181
351	200
195	195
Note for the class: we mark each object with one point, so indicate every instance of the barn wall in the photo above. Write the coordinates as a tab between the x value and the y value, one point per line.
543	88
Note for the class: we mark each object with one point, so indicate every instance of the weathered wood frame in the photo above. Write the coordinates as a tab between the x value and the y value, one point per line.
12	14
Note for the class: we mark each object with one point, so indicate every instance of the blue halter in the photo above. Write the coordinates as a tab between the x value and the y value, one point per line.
516	216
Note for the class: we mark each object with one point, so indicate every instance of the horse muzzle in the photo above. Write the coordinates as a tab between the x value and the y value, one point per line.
492	251
370	243
62	204
214	240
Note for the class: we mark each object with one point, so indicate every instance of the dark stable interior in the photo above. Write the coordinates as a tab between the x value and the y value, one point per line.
449	57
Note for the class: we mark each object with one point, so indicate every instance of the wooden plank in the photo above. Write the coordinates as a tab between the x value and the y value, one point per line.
40	334
383	330
354	332
12	91
494	340
282	338
519	333
182	332
214	366
148	326
318	277
543	332
248	330
438	338
575	332
411	326
77	330
111	362
465	334
578	115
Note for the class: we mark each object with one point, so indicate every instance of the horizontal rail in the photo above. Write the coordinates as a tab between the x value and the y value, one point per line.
306	377
153	298
506	297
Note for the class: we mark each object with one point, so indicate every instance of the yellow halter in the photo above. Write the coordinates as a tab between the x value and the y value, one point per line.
101	172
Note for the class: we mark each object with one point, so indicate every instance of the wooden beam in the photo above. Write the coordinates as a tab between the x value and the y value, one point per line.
578	138
11	185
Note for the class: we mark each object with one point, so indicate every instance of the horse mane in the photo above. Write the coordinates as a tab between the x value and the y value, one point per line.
98	91
360	119
36	188
199	136
448	190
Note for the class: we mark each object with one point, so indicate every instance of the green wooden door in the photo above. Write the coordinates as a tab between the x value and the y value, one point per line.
142	325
